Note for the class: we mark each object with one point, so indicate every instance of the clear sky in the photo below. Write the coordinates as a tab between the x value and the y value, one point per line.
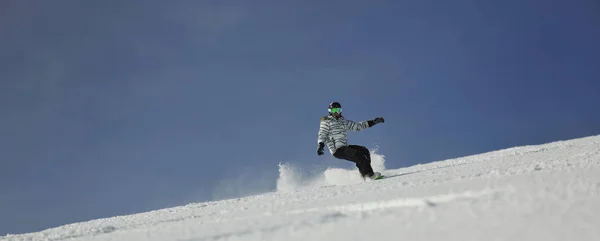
116	107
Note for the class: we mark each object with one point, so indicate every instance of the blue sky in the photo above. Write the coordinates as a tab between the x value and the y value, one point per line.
118	107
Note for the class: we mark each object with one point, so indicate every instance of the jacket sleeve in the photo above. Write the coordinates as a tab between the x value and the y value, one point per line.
356	126
323	131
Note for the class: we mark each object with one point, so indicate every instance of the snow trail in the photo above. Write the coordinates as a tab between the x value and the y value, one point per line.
292	178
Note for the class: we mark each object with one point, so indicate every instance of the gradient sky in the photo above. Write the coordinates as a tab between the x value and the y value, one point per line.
116	107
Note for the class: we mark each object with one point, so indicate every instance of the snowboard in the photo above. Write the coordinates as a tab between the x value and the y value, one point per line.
379	177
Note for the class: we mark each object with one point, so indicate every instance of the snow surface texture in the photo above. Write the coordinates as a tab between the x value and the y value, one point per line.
543	192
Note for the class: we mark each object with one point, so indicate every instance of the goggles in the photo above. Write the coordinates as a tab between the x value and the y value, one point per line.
335	110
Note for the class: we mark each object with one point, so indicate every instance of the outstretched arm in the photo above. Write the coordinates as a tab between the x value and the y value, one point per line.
358	126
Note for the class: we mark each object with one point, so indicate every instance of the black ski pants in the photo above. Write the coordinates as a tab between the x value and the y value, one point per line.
357	154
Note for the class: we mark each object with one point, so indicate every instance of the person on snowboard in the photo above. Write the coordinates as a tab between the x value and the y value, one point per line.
332	131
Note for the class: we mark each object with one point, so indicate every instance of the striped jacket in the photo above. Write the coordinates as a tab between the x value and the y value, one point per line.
332	131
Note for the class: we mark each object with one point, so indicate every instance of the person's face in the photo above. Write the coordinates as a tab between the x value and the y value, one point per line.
336	112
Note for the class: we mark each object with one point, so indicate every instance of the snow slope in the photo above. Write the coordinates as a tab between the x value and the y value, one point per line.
543	192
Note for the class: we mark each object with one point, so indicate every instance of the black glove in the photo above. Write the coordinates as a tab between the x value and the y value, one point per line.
320	150
376	121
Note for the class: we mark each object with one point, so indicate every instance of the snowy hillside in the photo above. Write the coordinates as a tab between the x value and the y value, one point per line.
546	192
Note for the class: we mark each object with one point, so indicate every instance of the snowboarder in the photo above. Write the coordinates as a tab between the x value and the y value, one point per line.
332	131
